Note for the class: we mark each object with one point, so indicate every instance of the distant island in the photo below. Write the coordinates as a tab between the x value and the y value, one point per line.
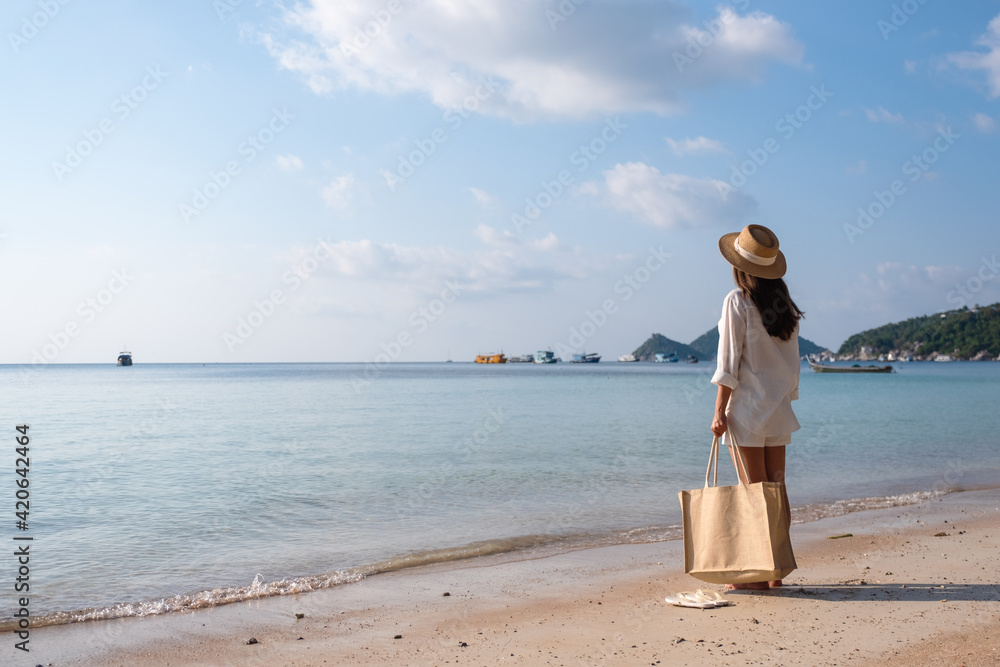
704	347
966	334
660	344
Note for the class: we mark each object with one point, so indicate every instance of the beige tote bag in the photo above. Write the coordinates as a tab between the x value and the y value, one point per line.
736	534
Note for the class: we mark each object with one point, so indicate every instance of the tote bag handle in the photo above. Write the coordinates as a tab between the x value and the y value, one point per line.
713	462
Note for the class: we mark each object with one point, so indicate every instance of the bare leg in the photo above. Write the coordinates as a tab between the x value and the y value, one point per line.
774	462
754	463
762	464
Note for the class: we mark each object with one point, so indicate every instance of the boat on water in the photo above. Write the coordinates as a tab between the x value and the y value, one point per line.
491	358
545	357
125	358
943	357
520	359
692	359
664	358
628	358
823	368
591	358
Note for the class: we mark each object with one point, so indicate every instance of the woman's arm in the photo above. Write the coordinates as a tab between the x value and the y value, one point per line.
732	331
721	401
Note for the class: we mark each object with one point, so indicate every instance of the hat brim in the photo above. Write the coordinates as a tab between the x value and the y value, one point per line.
728	250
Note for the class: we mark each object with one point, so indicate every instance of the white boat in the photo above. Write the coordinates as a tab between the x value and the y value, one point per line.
545	357
520	359
943	357
628	357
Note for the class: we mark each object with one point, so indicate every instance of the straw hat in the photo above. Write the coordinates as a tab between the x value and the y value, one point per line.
754	251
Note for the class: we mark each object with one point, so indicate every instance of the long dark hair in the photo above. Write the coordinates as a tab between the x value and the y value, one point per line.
777	310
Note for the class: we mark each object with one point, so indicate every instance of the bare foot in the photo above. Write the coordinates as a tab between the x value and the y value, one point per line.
774	584
755	586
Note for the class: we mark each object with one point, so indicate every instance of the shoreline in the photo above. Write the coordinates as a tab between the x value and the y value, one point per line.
493	552
602	604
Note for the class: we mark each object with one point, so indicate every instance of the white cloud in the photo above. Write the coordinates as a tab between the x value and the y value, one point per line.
550	242
340	192
503	268
894	277
491	237
696	145
483	198
910	66
896	291
988	60
883	115
289	162
609	57
673	200
495	239
984	123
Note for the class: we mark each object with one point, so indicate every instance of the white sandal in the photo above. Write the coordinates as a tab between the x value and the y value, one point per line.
698	599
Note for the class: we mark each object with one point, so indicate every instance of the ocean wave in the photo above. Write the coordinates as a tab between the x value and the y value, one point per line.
818	511
292	586
535	545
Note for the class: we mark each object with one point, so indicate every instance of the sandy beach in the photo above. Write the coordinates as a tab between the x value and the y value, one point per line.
913	585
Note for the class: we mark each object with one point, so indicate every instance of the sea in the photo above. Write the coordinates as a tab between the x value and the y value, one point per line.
164	487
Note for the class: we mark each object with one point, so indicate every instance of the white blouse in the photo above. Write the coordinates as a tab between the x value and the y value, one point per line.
762	370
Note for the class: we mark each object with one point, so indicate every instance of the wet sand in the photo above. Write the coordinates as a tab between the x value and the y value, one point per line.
897	592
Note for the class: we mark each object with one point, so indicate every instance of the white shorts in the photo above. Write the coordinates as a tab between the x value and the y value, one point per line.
745	438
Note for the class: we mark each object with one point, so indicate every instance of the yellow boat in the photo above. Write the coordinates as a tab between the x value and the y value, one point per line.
491	358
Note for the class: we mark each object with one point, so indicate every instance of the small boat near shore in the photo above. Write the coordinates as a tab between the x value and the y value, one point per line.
628	358
663	358
823	368
591	358
520	359
491	358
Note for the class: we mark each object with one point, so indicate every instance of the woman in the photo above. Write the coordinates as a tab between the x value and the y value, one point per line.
758	360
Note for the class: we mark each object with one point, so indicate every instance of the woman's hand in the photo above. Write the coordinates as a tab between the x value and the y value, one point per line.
719	424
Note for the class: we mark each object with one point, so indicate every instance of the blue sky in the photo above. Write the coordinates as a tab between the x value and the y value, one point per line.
244	181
